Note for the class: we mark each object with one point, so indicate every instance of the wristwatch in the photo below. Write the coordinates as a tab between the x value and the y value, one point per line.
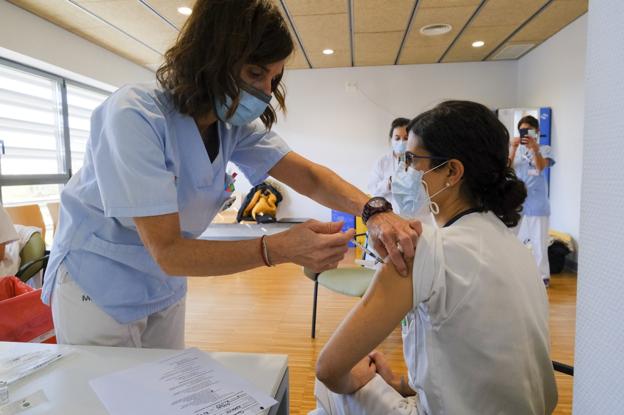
374	206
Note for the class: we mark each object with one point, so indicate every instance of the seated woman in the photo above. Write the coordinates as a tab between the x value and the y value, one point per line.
474	315
9	253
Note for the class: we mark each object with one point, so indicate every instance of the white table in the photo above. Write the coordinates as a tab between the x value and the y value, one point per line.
66	381
239	231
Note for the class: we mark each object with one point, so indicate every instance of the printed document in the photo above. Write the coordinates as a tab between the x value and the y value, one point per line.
187	383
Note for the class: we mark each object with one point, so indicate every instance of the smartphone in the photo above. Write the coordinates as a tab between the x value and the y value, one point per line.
524	132
527	132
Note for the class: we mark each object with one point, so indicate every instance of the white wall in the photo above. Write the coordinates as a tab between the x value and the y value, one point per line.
348	131
599	361
553	75
31	40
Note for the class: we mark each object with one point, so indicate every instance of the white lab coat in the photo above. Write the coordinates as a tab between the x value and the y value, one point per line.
476	341
383	169
532	231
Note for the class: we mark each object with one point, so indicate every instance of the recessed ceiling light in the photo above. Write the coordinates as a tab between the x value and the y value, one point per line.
328	51
185	11
478	44
436	29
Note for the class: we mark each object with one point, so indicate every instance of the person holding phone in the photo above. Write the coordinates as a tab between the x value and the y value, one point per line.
530	160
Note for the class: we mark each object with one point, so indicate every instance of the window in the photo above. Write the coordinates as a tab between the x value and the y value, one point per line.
30	124
80	102
44	126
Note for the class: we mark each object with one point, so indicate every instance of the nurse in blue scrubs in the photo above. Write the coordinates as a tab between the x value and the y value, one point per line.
154	178
530	160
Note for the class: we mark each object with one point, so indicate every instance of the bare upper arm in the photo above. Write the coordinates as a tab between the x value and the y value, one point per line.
387	301
296	171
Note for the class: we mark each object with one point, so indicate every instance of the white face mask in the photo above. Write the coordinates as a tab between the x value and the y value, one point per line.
410	192
399	146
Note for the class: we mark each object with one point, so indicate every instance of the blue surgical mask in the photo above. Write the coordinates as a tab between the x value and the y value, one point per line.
410	192
399	146
251	105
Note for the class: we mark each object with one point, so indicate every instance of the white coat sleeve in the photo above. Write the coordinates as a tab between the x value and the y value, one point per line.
377	185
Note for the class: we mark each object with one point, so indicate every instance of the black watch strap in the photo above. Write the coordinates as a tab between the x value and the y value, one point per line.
374	206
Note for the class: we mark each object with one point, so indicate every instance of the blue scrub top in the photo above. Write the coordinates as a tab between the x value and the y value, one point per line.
536	203
144	158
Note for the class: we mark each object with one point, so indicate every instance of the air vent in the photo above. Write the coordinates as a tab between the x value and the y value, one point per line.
436	29
512	51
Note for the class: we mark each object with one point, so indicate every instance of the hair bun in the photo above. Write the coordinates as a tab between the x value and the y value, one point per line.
506	197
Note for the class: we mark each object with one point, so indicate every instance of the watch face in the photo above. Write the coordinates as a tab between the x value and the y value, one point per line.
377	203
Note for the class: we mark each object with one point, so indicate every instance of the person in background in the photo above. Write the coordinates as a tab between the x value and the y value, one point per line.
9	264
530	160
473	314
380	183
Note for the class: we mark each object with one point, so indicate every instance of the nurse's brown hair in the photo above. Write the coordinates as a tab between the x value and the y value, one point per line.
220	36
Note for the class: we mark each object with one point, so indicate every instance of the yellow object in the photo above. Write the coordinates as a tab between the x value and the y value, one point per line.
563	237
266	205
360	227
252	203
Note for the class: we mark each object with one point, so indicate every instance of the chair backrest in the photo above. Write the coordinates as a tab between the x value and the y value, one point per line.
34	249
53	208
28	215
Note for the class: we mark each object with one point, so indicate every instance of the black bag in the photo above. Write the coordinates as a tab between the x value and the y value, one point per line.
557	252
265	188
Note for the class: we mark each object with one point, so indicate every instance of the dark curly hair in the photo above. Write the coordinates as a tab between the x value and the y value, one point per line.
220	36
471	133
398	122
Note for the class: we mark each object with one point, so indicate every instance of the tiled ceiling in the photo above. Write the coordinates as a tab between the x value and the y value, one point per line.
361	32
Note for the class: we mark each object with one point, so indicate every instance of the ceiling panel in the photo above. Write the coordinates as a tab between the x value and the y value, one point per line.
141	30
320	32
419	48
374	49
153	31
169	10
381	15
72	18
297	60
322	24
496	20
555	17
316	7
378	27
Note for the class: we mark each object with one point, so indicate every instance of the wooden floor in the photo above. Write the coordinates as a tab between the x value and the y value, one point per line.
269	311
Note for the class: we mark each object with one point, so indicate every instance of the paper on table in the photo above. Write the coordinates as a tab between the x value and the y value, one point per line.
190	382
14	368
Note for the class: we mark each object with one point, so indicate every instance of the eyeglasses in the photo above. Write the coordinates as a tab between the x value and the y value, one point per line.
411	158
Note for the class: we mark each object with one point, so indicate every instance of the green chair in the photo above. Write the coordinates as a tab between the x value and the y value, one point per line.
34	257
352	281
